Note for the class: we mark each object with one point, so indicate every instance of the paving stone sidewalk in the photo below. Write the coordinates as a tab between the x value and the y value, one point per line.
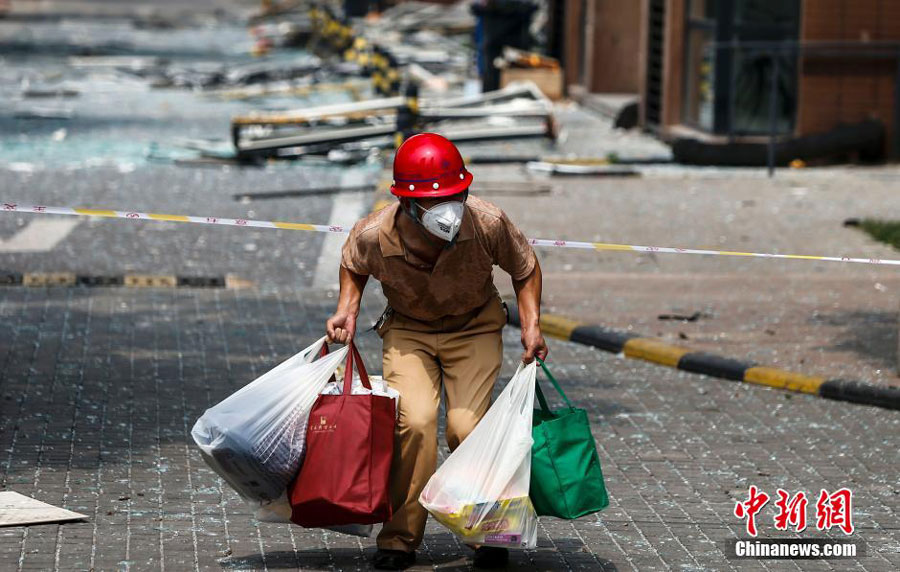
100	388
817	318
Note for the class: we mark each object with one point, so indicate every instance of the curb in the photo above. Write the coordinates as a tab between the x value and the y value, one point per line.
50	279
662	353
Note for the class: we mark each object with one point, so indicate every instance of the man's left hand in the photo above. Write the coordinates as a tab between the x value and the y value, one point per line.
534	344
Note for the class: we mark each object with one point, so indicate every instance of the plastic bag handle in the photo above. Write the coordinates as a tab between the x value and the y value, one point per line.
352	355
540	394
516	398
324	352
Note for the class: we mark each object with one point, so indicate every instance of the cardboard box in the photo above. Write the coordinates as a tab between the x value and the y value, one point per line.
550	81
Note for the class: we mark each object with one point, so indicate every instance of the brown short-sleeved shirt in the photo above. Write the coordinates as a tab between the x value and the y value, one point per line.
461	279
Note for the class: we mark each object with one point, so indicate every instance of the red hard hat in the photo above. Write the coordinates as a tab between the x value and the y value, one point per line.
428	165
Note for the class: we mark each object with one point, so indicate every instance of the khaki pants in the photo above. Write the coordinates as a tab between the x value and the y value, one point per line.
461	353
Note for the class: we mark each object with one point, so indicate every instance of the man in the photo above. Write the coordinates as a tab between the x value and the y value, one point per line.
434	253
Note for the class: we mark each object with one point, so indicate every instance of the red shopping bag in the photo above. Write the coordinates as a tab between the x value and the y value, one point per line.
349	447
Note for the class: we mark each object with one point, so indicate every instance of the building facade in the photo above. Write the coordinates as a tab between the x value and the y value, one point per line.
740	69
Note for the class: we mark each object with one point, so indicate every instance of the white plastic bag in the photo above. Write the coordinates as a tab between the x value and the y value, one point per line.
255	439
481	491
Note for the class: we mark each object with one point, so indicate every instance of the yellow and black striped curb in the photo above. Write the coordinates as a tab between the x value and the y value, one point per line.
47	279
657	351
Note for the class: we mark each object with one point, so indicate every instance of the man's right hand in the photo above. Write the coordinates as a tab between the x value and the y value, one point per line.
341	327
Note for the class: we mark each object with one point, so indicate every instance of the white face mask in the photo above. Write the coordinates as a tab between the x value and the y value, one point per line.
443	220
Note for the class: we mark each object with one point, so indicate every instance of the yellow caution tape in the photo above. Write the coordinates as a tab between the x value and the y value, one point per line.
136	215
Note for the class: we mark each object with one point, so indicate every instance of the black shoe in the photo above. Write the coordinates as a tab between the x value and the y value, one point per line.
490	557
393	559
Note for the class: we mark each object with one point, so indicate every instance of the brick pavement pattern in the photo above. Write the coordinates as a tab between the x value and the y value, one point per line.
100	388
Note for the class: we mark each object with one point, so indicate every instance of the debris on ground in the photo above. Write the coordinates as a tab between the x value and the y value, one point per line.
19	510
683	317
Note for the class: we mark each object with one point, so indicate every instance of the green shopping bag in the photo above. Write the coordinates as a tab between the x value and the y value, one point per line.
566	480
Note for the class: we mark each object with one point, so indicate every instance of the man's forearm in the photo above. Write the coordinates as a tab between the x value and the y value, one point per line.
352	286
528	298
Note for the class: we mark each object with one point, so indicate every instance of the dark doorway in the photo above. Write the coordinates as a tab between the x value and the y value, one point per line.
728	76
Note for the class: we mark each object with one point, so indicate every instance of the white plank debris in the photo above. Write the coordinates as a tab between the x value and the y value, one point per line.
18	510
